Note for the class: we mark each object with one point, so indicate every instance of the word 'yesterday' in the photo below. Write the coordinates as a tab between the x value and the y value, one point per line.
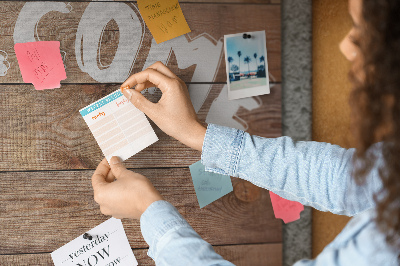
87	247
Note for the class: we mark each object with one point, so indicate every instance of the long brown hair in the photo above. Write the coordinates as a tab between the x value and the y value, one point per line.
375	101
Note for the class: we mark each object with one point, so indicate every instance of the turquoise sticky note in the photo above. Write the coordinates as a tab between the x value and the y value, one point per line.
209	186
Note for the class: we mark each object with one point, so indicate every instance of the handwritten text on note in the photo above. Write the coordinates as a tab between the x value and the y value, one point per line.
164	18
41	64
118	126
209	186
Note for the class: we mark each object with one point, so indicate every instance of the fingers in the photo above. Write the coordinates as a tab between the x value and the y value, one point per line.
117	167
159	80
100	174
140	102
160	67
104	210
143	86
110	177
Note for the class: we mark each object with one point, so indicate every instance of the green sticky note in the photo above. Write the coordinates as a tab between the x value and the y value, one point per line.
209	186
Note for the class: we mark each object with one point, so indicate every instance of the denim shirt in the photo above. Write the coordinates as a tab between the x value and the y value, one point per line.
312	173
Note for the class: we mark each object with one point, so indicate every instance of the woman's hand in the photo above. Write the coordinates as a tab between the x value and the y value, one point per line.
126	197
173	113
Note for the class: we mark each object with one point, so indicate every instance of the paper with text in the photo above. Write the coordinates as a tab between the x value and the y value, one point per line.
284	209
118	126
164	18
109	246
209	186
41	64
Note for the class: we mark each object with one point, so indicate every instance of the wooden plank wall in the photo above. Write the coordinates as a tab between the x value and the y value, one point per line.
48	154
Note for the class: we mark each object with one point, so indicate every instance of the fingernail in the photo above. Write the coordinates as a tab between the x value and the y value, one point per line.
115	160
128	94
124	88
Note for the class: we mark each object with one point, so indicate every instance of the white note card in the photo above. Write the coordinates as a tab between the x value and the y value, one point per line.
109	247
118	126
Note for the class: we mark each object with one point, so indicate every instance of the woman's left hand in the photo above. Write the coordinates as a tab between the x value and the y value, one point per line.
126	197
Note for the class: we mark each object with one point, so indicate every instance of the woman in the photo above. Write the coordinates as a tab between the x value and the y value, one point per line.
320	175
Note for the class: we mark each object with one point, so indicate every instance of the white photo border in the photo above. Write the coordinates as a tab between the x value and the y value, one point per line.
248	92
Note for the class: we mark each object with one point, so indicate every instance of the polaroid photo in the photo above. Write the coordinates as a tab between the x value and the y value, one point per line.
246	64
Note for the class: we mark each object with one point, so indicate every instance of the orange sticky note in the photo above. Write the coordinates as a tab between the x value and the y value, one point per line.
41	64
164	18
284	209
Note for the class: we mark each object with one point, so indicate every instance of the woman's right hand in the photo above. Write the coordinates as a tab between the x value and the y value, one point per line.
173	113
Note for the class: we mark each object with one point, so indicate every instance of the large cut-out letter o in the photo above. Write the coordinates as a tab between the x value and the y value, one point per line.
89	35
25	29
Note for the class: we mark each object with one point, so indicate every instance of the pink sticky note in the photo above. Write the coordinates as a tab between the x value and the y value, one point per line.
284	209
41	64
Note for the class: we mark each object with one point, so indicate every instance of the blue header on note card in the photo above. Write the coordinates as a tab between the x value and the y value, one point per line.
101	102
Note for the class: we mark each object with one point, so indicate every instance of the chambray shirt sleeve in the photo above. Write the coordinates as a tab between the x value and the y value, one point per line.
172	241
312	173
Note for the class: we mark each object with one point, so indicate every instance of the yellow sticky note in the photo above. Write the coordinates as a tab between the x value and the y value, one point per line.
164	18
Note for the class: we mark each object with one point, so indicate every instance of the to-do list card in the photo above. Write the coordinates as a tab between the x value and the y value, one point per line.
118	126
106	246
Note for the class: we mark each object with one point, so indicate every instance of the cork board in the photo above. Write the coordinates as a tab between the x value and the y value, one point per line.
331	89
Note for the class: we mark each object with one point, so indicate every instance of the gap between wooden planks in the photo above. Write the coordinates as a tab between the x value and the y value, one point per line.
43	130
38	136
208	21
240	255
41	211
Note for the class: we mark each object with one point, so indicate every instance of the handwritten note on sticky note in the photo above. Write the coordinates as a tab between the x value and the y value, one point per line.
284	209
209	186
108	246
118	126
164	18
41	64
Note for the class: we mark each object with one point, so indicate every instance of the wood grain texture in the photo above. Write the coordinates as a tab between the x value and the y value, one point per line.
211	21
43	130
44	205
240	255
267	2
50	209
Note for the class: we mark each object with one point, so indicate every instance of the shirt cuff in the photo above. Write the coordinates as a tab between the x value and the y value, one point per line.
158	219
221	150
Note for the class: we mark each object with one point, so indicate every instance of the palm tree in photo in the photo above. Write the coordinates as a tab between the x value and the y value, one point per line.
262	59
239	54
247	60
255	58
234	68
230	60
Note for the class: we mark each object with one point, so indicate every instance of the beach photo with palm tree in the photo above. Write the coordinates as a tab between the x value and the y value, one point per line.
230	60
245	59
261	68
255	59
239	53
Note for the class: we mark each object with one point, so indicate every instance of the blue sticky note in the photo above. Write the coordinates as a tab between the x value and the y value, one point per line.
209	186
